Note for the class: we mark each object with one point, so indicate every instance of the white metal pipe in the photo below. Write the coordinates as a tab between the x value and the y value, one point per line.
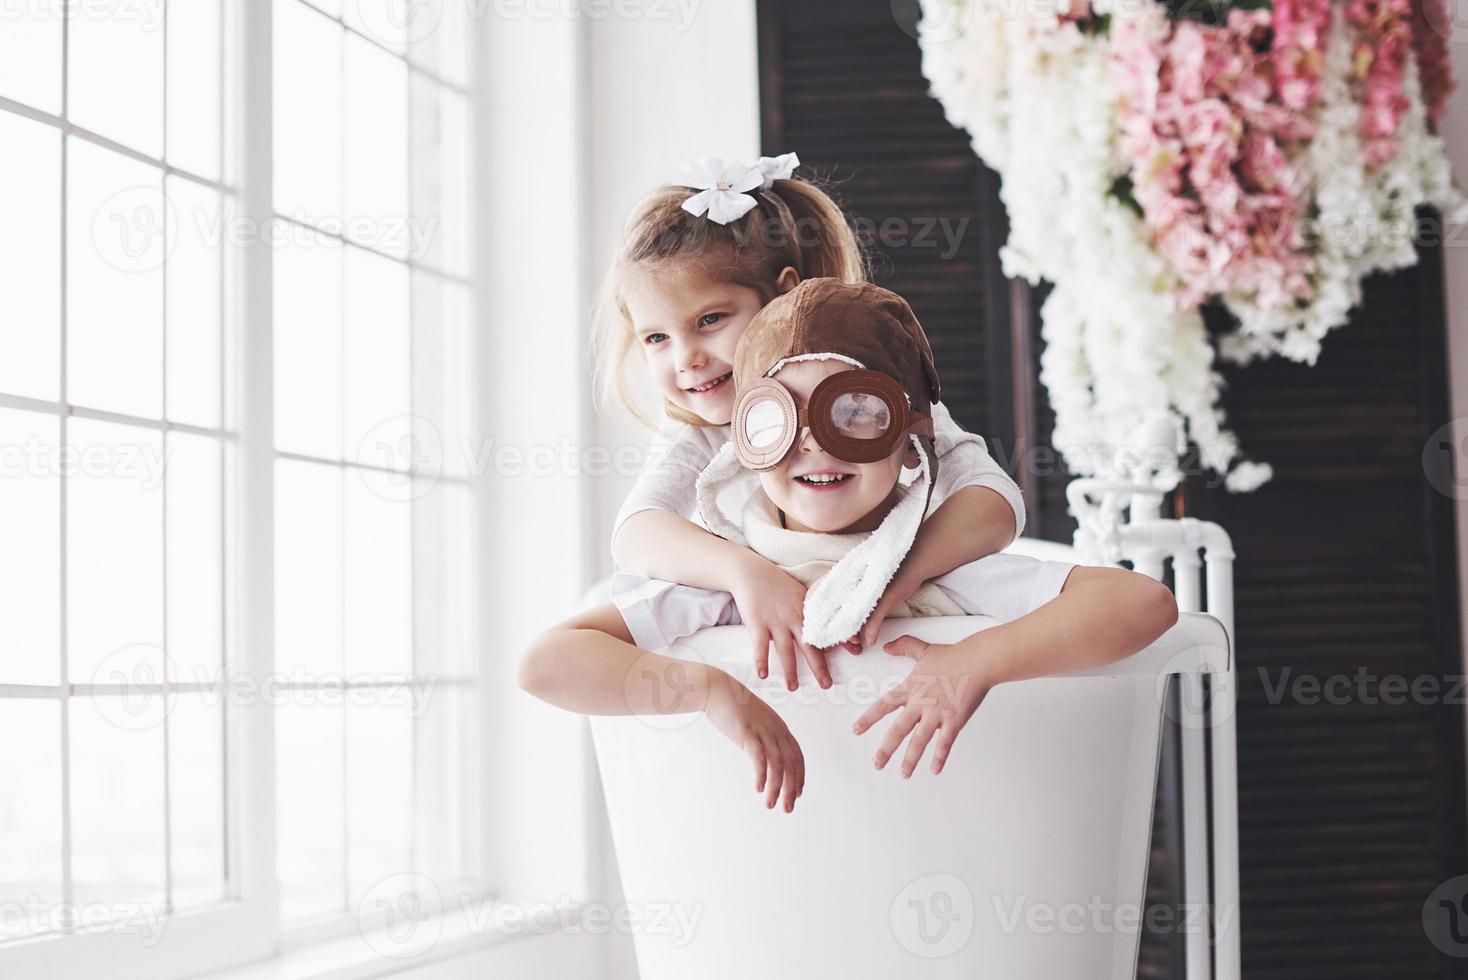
1224	748
1195	825
1186	581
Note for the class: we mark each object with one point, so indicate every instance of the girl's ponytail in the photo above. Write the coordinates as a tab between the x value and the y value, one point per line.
827	245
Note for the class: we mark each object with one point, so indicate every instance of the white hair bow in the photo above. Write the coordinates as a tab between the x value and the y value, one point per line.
722	189
777	168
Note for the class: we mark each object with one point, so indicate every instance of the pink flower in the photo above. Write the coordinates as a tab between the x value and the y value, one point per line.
1385	38
1299	37
1209	137
1430	31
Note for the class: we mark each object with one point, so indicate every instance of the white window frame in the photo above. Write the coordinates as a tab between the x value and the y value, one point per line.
245	927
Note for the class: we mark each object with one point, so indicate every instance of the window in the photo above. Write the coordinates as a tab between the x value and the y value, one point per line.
129	793
371	475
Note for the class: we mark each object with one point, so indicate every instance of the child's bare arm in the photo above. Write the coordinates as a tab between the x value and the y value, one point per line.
588	664
1100	616
662	545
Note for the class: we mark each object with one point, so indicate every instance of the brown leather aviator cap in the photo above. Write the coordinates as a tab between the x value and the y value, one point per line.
859	415
866	322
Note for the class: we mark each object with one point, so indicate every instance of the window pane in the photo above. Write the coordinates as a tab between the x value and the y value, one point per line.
195	556
194	86
115	61
196	798
441	558
308	101
30	816
310	806
115	250
193	303
379	788
30	256
30	54
379	580
445	779
308	569
308	349
376	148
30	559
442	366
114	543
116	799
377	359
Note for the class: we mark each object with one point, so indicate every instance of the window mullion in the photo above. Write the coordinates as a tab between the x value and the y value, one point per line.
68	890
250	774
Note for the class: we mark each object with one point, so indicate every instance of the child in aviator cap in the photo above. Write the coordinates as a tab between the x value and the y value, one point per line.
834	386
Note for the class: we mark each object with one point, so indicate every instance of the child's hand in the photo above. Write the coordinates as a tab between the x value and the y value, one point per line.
754	726
941	694
772	604
898	591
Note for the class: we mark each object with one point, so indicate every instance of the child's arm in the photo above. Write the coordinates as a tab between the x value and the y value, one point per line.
652	537
1100	616
973	523
589	665
980	513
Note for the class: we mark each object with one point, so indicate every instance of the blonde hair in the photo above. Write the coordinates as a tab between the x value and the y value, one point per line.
795	223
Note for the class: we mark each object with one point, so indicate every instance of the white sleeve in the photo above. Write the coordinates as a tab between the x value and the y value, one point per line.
964	461
1005	586
659	613
677	454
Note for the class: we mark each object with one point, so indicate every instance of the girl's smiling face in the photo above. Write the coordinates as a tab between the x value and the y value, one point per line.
687	325
815	490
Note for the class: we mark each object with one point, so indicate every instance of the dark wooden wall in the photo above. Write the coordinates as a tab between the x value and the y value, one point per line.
1350	814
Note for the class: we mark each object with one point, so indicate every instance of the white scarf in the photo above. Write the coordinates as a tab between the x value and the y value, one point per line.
806	555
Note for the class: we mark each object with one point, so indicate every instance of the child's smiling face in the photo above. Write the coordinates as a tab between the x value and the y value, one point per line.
687	325
815	490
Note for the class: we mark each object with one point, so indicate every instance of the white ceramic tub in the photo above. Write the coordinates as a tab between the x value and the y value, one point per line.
1025	859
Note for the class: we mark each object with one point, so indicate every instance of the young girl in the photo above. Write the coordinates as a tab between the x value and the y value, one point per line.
699	260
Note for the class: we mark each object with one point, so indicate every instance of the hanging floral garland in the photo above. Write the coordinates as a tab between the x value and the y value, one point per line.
1160	155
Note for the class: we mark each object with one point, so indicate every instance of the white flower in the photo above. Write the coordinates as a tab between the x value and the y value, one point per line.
1034	95
776	168
721	189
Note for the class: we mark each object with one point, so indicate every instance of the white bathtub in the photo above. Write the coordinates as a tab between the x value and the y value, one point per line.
1025	859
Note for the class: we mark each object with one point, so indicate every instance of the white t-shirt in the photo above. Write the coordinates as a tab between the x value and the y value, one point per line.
679	453
1006	587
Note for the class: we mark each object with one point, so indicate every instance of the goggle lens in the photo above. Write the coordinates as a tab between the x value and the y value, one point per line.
859	415
764	423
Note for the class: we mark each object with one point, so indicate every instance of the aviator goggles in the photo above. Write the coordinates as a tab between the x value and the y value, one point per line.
859	416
